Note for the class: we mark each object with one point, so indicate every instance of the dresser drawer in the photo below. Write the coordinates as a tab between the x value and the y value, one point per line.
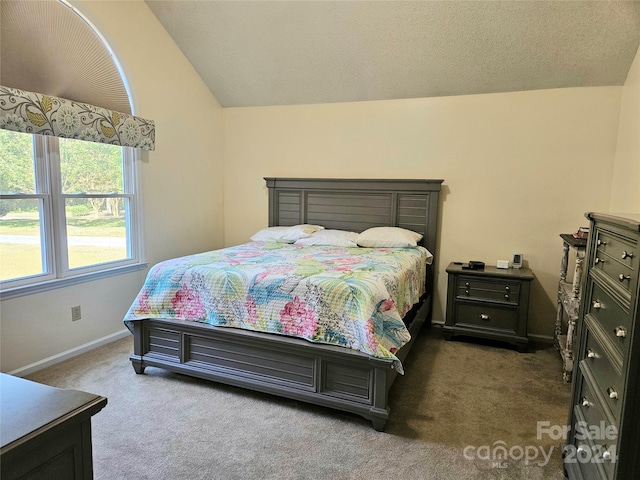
487	317
616	273
623	249
594	435
616	258
593	459
494	291
615	321
608	380
588	470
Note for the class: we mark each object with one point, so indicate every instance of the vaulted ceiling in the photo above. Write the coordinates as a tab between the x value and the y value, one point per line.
253	53
295	52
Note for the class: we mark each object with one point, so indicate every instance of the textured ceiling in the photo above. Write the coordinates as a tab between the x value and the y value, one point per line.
253	53
47	48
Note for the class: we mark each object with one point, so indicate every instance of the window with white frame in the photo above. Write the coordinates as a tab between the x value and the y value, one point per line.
68	209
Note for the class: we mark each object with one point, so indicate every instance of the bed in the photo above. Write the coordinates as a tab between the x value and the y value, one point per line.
331	375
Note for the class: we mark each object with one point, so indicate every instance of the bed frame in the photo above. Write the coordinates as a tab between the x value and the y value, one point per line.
326	375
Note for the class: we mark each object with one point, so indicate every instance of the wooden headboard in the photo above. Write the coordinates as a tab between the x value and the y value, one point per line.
356	204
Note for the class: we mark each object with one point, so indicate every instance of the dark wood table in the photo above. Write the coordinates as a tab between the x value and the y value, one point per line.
45	432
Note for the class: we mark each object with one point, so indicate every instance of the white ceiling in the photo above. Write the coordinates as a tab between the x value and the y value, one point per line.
252	53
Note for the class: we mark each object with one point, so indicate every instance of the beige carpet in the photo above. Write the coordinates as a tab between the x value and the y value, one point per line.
458	402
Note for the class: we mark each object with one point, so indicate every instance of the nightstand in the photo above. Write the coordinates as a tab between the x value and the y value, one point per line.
492	303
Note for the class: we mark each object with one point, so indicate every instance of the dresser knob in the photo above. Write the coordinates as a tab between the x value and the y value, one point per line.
612	393
606	454
507	288
599	260
602	242
466	284
620	331
597	304
484	316
626	254
581	450
622	277
466	292
506	295
585	402
591	354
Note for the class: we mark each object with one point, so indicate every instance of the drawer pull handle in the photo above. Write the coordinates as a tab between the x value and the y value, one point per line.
466	292
484	316
612	393
620	331
466	284
599	260
506	295
591	354
507	288
602	242
585	402
622	277
606	454
581	450
626	254
597	304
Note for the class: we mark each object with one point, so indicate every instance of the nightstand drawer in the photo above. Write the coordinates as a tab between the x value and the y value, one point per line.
486	316
483	289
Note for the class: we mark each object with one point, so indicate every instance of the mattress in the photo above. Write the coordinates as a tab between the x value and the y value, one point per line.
349	297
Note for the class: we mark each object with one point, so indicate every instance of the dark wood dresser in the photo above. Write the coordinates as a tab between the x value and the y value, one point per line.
604	420
490	303
45	432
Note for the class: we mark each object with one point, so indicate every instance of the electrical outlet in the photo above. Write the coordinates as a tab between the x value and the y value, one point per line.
75	313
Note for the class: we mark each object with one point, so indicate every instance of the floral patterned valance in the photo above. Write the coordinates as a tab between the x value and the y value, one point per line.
30	112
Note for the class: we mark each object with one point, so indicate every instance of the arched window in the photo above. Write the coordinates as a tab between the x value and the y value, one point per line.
69	199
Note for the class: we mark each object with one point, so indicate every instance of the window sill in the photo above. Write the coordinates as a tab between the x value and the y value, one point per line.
66	282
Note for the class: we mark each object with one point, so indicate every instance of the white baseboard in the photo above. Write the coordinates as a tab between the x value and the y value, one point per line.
47	362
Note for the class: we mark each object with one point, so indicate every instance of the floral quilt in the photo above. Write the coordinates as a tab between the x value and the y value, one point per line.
351	297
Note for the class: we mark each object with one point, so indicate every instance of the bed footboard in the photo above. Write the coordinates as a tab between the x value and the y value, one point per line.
281	366
324	375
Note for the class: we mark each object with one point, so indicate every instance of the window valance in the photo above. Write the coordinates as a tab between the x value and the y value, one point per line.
40	114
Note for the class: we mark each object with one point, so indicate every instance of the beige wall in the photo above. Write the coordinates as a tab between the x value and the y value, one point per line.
182	189
625	188
519	168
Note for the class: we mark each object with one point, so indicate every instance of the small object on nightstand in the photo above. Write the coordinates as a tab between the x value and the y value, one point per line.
492	303
503	264
472	265
517	260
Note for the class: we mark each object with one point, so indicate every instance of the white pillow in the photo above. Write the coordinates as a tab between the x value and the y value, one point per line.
285	234
334	238
388	237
